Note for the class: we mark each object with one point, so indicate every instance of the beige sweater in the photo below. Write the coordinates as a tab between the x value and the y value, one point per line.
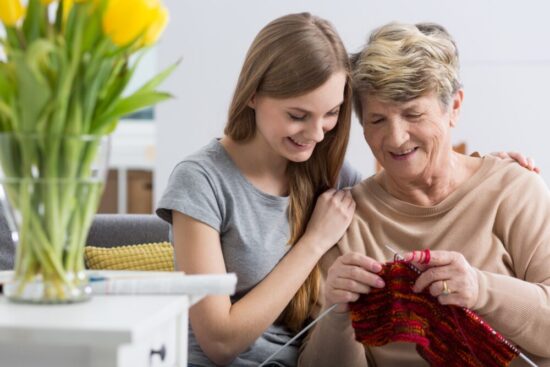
497	219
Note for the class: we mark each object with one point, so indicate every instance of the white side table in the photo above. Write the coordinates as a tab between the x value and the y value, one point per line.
108	331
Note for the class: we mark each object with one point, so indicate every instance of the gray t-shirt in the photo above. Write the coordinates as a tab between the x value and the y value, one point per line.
253	228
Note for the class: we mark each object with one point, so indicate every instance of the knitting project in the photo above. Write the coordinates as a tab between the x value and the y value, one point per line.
444	335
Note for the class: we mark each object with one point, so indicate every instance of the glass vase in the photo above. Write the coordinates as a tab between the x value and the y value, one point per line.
50	190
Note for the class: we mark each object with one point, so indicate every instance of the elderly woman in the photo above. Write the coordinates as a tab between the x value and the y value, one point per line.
484	220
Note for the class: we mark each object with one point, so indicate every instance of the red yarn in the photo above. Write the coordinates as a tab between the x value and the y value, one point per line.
444	335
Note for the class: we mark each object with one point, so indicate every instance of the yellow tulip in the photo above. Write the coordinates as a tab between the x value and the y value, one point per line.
11	11
67	6
156	27
125	20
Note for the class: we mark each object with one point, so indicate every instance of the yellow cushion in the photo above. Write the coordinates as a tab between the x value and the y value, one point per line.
148	256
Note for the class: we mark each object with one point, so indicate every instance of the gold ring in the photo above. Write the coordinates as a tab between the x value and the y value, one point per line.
446	290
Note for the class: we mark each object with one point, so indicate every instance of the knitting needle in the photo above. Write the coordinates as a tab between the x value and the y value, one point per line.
309	326
399	257
526	359
396	254
326	312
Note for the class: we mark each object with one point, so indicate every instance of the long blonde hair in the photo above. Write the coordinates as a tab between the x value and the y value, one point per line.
292	56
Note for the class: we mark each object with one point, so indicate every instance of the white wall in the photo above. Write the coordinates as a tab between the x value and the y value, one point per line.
504	46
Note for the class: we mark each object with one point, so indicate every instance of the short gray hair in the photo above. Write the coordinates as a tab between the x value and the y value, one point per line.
404	61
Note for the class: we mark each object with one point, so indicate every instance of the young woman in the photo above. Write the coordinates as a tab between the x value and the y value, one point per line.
264	202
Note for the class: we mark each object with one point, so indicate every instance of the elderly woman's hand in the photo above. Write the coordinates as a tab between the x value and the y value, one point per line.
448	276
351	275
522	160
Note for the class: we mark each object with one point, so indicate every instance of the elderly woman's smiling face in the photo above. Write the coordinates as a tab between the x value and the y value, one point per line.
411	140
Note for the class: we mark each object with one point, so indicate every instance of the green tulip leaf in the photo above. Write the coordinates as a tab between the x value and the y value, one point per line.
159	78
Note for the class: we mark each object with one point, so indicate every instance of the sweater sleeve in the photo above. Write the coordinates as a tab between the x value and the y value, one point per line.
331	342
519	307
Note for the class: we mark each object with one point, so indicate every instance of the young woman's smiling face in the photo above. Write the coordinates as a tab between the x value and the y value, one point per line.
292	127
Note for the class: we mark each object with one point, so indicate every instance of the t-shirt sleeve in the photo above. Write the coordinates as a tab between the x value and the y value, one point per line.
192	192
349	176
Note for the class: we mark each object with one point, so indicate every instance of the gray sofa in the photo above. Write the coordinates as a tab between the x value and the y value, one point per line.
107	230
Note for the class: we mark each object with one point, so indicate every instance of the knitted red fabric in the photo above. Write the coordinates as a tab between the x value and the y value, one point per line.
444	335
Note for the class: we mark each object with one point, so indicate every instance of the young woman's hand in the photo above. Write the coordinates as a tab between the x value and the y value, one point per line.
351	275
331	217
522	160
